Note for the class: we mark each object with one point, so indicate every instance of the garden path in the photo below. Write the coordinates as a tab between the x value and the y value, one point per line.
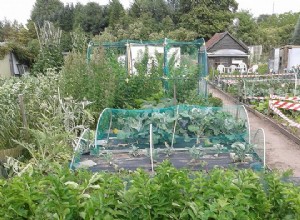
281	152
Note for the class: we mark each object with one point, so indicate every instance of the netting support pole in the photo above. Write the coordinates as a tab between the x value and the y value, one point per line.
174	92
248	122
110	122
166	69
203	69
151	147
174	129
296	81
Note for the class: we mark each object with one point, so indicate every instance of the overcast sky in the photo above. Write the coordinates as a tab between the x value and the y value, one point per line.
20	9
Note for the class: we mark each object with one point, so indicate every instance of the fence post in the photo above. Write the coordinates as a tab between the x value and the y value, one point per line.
22	110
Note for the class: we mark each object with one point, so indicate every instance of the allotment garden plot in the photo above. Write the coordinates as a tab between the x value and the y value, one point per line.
189	136
276	95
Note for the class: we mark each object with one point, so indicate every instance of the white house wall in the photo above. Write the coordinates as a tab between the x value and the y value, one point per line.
276	60
5	67
294	57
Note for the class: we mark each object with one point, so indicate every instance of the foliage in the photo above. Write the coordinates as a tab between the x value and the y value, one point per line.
50	58
192	124
277	30
169	194
95	81
241	151
196	153
263	69
44	107
296	35
50	54
92	17
17	40
245	28
46	10
265	88
208	18
195	99
116	12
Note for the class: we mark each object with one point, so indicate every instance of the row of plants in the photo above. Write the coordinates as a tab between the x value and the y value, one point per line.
191	122
245	90
169	194
259	88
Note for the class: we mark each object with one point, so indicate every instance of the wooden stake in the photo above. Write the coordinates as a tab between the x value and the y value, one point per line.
151	148
22	110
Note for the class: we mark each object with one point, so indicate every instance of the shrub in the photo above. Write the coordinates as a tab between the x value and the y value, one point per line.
168	194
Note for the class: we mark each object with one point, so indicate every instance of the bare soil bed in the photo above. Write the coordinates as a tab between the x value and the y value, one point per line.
178	159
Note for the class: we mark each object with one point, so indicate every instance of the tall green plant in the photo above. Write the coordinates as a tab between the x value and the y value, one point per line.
42	100
94	81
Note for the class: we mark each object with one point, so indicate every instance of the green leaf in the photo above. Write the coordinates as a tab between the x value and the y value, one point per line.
193	128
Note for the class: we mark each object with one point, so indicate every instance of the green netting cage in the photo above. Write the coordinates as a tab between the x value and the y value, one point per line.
178	127
178	61
189	136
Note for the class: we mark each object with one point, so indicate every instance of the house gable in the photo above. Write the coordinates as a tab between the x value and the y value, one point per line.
221	41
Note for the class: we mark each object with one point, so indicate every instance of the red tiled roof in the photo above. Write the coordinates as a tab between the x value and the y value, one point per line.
212	41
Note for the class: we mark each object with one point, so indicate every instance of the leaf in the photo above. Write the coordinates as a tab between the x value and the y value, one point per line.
72	184
123	135
223	202
175	204
193	128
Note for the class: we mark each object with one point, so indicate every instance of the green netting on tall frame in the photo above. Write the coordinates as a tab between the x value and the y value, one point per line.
178	127
177	60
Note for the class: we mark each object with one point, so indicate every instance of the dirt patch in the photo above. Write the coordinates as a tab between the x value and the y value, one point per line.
178	159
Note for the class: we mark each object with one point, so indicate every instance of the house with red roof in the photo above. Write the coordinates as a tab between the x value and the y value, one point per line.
224	49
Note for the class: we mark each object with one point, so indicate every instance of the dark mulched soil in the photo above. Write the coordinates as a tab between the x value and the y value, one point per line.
178	159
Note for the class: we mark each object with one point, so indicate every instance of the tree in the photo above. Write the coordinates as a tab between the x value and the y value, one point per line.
207	17
92	17
296	35
157	9
245	28
46	10
278	29
66	18
116	12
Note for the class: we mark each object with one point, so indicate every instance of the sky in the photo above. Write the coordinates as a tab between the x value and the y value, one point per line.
20	9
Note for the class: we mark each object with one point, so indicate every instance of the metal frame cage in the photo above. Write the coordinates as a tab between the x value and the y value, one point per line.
182	133
174	55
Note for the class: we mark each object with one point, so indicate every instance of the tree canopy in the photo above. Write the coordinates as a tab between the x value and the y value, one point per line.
152	20
296	35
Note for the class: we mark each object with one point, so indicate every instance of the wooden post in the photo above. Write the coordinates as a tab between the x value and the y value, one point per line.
22	110
151	148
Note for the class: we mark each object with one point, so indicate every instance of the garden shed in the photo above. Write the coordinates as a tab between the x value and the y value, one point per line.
9	64
224	49
289	57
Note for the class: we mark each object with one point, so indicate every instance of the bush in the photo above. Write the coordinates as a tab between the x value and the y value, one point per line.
169	194
44	108
263	69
